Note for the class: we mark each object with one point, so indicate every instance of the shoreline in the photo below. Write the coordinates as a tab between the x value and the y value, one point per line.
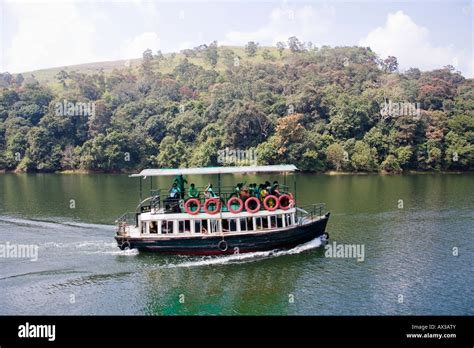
328	173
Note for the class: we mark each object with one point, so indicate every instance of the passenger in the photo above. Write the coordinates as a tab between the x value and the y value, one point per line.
259	190
237	189
244	193
180	181
268	186
174	191
208	192
253	190
276	189
193	191
263	193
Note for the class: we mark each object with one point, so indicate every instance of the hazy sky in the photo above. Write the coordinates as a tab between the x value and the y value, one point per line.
42	34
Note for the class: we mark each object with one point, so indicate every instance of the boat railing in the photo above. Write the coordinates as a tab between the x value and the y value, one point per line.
161	198
310	211
125	221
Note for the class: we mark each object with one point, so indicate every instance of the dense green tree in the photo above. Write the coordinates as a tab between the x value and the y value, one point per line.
212	54
336	156
364	158
172	153
251	48
391	165
247	126
295	45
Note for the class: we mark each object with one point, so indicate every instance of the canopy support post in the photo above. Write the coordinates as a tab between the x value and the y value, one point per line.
140	190
294	185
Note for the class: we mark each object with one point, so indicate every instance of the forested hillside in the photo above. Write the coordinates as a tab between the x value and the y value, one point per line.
317	108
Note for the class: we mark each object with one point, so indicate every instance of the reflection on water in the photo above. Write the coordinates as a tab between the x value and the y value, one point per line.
80	270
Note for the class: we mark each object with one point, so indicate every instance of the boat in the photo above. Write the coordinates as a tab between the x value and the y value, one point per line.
231	222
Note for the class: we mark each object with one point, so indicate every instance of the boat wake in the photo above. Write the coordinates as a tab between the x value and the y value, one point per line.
91	247
247	257
52	224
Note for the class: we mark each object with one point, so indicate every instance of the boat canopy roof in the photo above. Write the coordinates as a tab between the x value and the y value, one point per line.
216	170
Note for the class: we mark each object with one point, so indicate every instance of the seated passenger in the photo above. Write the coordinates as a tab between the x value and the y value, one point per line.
253	190
258	191
276	189
174	191
268	186
244	193
263	193
208	192
193	191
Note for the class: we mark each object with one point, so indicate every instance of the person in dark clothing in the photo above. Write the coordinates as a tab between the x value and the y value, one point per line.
180	181
275	189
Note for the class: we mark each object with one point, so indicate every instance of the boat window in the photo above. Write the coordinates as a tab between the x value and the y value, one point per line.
229	225
280	221
259	223
265	222
273	221
225	225
197	226
214	225
250	226
153	227
288	219
184	226
233	225
167	226
243	225
205	226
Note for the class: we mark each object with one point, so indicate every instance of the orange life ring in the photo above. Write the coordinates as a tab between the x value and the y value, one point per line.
288	198
265	203
232	200
188	208
252	199
215	201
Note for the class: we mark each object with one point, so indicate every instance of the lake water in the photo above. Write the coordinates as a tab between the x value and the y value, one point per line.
411	227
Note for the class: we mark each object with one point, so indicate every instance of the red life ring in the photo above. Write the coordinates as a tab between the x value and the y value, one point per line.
288	198
252	199
265	203
232	200
188	208
215	201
